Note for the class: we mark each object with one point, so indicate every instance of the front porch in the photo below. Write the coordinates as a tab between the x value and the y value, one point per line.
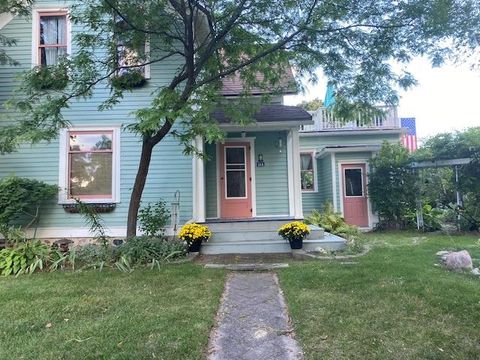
254	172
249	185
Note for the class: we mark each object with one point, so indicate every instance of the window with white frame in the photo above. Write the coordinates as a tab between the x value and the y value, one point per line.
129	57
90	165
307	171
51	35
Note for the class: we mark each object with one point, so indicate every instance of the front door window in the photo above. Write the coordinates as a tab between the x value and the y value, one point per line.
235	172
353	182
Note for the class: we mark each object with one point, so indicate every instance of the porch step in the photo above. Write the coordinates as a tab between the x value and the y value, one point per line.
243	225
253	230
257	235
267	246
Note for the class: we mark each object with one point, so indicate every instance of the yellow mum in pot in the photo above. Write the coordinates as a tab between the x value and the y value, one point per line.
294	232
194	234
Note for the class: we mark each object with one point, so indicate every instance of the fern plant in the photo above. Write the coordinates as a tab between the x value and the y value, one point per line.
331	221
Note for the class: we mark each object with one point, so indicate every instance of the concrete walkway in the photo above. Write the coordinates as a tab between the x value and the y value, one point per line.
253	321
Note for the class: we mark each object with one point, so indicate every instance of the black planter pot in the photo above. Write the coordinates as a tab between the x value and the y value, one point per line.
195	246
296	244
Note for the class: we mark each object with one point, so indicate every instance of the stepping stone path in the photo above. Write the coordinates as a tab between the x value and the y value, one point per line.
253	322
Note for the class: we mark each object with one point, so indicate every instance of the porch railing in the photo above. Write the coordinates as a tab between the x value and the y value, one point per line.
325	120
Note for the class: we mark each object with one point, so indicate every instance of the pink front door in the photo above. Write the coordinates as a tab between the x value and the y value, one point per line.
355	205
235	180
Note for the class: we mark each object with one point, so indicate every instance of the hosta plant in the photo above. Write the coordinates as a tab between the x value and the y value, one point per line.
27	257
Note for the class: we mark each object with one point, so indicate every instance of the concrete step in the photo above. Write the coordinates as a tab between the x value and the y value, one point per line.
268	246
255	235
252	225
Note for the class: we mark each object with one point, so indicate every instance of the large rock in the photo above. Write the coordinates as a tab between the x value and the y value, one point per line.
458	260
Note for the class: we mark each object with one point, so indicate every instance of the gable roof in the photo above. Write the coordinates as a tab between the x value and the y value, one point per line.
271	114
233	85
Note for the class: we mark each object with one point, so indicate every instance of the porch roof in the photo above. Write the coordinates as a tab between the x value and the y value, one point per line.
271	114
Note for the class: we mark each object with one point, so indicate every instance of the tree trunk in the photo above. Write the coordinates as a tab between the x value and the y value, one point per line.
138	187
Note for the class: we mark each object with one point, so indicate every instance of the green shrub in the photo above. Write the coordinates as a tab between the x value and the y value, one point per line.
432	218
130	80
92	256
27	257
153	219
47	77
148	250
20	201
392	186
331	221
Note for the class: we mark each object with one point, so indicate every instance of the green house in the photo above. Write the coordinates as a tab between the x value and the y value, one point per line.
279	168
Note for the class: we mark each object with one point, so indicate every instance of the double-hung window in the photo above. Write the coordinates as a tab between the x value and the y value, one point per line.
307	171
90	166
130	58
52	37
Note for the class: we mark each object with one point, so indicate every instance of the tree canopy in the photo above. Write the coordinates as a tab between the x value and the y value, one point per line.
311	105
361	46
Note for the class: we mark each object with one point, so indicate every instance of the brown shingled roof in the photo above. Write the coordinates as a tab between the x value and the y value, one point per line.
271	113
232	85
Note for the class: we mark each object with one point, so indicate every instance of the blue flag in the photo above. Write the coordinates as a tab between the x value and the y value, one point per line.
329	96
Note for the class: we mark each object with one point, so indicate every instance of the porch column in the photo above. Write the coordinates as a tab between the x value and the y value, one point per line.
294	177
198	169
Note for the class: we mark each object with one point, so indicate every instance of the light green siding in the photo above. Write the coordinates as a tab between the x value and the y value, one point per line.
271	180
315	200
326	188
348	158
170	170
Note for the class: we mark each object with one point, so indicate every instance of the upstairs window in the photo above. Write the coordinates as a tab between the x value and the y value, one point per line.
52	37
132	51
307	171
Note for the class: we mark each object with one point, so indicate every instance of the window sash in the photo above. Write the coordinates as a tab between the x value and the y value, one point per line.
42	48
309	169
103	195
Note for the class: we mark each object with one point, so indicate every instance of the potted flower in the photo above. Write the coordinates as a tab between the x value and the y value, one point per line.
193	235
294	232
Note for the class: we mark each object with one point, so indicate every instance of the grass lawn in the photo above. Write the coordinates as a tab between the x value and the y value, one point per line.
164	314
392	304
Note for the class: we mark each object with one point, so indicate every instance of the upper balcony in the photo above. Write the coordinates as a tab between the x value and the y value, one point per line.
325	120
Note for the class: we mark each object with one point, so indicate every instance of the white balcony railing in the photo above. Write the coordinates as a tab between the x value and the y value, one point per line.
325	120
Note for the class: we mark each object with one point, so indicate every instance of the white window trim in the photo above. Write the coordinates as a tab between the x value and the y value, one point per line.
63	176
36	29
312	152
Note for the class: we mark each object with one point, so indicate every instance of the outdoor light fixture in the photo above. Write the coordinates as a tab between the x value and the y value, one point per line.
260	162
243	134
280	144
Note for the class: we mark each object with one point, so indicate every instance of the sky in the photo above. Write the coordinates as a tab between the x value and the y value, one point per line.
445	99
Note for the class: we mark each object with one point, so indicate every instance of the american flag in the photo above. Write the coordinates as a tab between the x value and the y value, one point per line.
409	139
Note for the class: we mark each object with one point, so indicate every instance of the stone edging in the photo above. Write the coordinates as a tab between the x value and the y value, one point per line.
303	255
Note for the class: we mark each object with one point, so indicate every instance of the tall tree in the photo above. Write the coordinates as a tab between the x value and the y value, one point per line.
354	42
